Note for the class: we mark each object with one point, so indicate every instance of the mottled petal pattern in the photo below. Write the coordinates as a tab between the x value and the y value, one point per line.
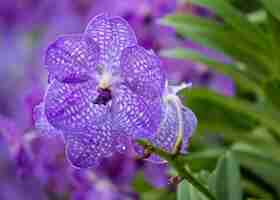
190	124
42	124
70	106
141	69
167	134
86	149
72	58
113	34
134	115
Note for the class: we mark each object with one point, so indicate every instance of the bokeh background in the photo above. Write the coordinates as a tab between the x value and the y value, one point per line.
33	167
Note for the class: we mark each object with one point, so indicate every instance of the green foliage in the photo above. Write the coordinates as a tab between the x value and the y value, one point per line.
148	192
188	192
240	130
273	6
225	180
259	163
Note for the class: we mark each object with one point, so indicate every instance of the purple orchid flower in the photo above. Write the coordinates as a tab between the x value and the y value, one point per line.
104	88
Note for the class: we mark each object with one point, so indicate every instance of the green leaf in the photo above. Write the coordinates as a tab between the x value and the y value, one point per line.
191	26
216	115
236	113
148	192
140	184
253	189
257	17
183	191
236	19
207	158
226	181
232	70
272	90
186	191
273	6
273	26
216	35
203	176
262	139
259	163
157	194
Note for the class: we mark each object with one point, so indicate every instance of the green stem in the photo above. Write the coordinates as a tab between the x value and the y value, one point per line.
177	162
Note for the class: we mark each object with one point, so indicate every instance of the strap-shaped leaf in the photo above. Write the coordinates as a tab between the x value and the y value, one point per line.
241	113
232	70
235	18
187	192
272	89
259	163
274	30
208	157
252	188
197	24
216	116
273	6
226	180
223	38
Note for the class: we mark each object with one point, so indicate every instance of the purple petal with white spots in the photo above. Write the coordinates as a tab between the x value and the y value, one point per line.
72	58
134	115
168	132
86	149
113	34
142	72
42	124
70	107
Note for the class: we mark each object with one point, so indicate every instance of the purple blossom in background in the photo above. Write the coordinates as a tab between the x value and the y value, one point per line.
32	160
20	15
156	174
11	187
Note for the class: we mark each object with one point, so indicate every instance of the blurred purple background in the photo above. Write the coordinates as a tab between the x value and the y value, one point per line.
34	167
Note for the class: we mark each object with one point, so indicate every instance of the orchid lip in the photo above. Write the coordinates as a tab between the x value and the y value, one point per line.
105	95
107	80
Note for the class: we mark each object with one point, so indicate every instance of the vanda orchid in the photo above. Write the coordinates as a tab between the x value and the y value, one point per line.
105	91
99	106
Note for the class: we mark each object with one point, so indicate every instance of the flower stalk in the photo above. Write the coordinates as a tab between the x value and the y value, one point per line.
176	161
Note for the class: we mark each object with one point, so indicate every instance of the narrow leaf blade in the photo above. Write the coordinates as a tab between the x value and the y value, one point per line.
273	6
226	181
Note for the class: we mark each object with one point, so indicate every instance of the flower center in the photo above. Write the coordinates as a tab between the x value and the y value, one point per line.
104	96
104	88
107	80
